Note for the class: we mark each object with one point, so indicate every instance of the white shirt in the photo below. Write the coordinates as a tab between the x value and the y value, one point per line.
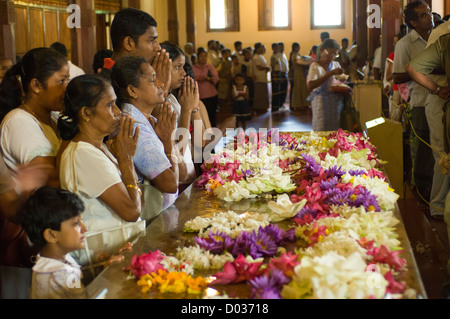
74	71
89	172
260	75
377	58
54	279
23	138
284	64
406	49
316	71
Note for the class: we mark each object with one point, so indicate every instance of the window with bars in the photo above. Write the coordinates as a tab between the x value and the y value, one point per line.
274	15
327	14
222	15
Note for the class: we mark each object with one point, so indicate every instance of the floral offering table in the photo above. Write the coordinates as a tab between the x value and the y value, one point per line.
276	215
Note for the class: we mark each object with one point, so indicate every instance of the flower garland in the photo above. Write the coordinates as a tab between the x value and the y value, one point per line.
330	185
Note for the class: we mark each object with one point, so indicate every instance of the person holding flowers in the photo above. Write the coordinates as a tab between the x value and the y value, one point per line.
326	105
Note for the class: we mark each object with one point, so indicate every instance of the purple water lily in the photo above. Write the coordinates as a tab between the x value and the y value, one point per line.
269	285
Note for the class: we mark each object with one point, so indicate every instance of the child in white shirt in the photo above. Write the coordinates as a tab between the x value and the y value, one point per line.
52	220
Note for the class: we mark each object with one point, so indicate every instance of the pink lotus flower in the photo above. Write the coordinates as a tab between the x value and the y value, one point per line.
237	271
286	263
146	263
383	255
394	287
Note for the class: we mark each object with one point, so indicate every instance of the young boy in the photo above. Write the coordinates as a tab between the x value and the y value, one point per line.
52	220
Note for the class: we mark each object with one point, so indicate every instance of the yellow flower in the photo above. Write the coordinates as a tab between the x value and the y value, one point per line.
146	283
195	286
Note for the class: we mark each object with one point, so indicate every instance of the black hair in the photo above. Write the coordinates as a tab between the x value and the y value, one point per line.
82	91
410	13
38	63
295	45
201	50
174	50
130	22
189	72
45	209
330	44
99	59
60	47
274	45
239	75
325	35
127	71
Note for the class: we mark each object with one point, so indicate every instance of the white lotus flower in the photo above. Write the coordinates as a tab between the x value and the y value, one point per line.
283	208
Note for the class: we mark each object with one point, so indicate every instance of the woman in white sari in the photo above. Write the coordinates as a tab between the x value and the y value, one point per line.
103	177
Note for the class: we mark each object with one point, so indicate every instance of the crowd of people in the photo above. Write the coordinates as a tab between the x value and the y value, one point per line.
88	159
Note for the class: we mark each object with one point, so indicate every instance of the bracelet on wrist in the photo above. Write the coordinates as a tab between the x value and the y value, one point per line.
196	110
136	188
436	92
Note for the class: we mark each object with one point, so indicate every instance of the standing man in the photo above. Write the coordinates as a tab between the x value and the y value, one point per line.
419	19
323	36
214	57
275	65
260	72
343	56
437	56
284	69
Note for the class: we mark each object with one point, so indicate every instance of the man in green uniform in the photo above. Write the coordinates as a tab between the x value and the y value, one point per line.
437	56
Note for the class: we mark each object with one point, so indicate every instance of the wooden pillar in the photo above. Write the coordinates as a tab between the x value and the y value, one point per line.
83	39
392	19
134	4
361	32
7	20
354	19
374	33
191	28
173	21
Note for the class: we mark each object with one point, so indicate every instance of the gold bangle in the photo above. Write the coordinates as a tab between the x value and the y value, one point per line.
169	156
136	188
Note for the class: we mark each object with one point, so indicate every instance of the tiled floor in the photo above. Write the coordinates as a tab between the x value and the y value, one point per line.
428	237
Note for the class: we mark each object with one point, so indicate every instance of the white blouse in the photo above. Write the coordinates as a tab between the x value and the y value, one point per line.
54	279
23	138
